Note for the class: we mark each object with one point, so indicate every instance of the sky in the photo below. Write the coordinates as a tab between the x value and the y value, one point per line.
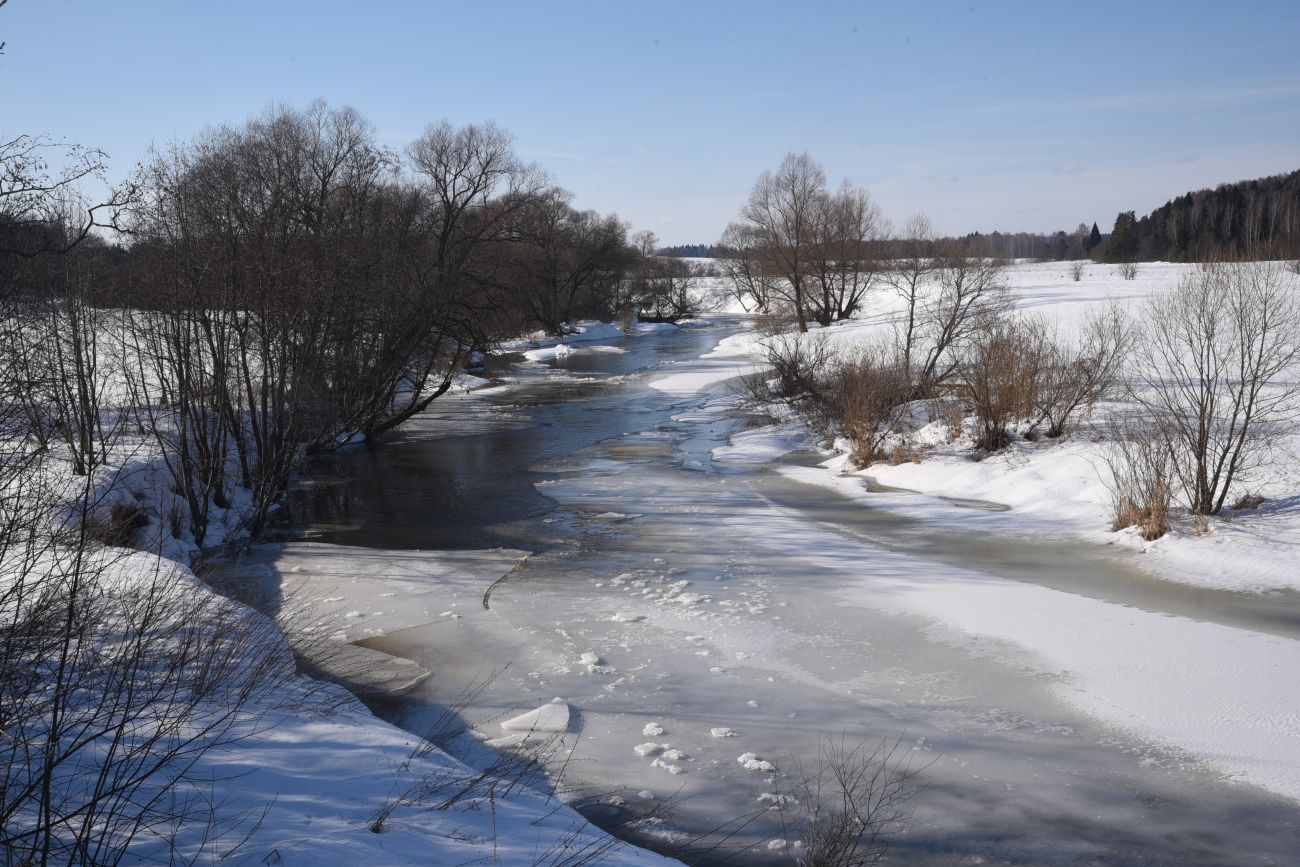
1009	116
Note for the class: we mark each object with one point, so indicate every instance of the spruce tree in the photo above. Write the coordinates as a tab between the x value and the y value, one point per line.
1124	239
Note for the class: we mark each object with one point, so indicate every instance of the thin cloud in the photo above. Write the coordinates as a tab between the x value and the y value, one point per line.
1181	100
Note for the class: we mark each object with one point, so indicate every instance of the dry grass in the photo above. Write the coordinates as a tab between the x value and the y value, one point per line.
1141	482
117	526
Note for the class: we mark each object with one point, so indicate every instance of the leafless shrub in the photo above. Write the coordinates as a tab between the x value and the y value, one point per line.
798	363
1076	376
1127	270
859	396
1294	266
1076	269
1215	369
846	806
1000	377
1141	480
116	679
116	525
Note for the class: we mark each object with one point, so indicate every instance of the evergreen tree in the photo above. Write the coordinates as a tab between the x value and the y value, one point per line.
1094	238
1124	240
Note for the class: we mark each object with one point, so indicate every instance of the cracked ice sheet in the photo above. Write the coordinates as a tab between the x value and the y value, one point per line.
1226	695
355	593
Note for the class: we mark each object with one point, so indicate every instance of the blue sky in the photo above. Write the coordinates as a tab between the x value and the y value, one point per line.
1011	116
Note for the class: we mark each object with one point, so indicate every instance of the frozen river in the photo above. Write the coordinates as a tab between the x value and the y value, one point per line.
715	610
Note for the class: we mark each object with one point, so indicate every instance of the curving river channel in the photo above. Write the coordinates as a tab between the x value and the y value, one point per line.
711	609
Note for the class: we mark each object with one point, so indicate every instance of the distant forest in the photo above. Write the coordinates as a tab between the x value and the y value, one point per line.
1257	219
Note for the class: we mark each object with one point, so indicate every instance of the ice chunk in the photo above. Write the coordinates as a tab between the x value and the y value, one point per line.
667	766
553	716
649	749
653	729
723	732
752	762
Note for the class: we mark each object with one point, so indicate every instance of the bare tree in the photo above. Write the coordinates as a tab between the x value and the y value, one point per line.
1214	367
645	242
568	263
37	202
912	263
971	293
662	289
782	213
743	266
843	262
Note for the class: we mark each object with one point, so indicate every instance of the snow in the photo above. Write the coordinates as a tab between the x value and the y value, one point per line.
762	445
653	327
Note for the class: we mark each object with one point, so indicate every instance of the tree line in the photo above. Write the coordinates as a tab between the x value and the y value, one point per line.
1257	219
287	284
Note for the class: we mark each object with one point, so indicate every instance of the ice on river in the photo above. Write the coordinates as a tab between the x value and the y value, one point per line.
1049	723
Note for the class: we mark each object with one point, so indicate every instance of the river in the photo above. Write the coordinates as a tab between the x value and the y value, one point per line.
710	609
